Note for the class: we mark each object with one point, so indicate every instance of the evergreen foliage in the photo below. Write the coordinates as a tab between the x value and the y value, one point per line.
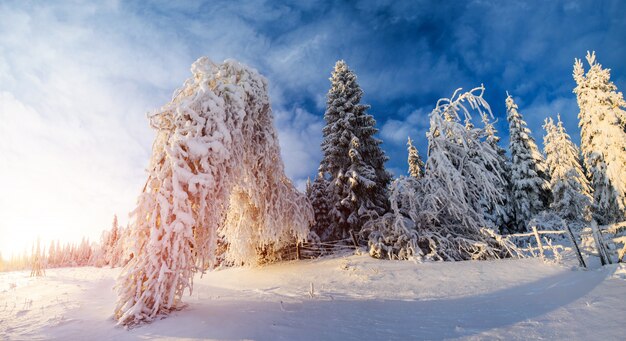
353	157
319	198
498	213
529	179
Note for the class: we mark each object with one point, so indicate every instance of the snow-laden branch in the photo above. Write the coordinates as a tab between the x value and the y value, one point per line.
215	173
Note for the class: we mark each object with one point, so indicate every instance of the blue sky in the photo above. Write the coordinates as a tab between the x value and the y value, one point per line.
76	79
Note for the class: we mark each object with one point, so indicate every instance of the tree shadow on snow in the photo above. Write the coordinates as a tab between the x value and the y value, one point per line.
316	319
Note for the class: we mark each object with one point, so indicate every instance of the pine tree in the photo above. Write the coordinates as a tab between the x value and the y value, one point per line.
570	188
602	138
529	178
347	119
498	212
416	165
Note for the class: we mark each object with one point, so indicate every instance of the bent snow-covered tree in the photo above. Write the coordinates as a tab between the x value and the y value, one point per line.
215	172
440	217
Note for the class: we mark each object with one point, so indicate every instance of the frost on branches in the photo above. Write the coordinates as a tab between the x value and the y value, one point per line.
570	188
215	172
440	217
602	138
529	178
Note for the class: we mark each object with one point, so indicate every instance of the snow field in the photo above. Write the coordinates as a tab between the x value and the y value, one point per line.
350	298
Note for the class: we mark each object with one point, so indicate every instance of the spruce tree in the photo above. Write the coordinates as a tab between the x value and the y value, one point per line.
416	165
602	138
319	198
529	179
347	119
498	212
570	188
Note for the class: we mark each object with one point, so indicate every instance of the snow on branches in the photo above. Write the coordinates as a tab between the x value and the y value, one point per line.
530	192
570	188
602	138
440	216
215	173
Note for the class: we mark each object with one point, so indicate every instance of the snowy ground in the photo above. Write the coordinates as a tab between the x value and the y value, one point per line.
352	298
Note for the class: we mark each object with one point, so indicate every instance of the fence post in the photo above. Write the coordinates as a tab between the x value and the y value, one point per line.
597	236
539	243
356	244
298	250
581	261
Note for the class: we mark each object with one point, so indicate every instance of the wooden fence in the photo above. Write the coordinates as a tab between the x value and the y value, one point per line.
314	250
599	235
537	234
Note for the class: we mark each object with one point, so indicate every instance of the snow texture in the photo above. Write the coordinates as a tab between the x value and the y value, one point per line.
354	298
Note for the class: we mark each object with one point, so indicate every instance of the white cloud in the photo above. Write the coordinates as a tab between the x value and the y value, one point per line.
75	84
415	125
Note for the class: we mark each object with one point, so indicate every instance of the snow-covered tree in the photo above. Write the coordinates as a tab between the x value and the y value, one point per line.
38	259
570	188
440	216
530	192
347	119
215	171
602	138
498	212
416	165
319	198
110	241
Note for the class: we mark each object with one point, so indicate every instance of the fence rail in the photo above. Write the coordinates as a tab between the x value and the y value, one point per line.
540	247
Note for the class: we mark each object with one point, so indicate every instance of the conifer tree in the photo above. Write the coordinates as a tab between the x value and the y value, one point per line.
498	212
416	165
602	138
570	188
529	179
440	216
347	119
111	249
319	198
51	255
